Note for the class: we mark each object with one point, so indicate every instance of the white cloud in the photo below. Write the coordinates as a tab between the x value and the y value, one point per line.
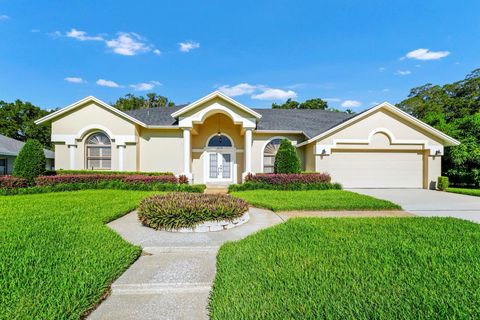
351	104
275	94
238	90
426	54
4	17
386	90
74	80
332	99
82	36
128	44
145	86
157	52
188	45
107	83
35	30
381	69
404	72
374	103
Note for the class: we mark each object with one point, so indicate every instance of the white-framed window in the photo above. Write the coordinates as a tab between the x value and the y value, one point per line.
98	150
269	154
220	141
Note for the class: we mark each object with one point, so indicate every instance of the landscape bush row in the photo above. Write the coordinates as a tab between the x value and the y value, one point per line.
283	181
105	172
13	185
186	210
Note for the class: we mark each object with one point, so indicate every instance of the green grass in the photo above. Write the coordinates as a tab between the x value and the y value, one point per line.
469	192
313	200
57	257
352	268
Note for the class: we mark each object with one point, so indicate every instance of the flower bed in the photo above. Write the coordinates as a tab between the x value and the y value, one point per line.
286	178
178	211
294	181
105	172
95	178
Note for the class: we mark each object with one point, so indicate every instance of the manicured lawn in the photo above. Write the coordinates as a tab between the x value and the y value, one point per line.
57	257
313	200
358	268
470	192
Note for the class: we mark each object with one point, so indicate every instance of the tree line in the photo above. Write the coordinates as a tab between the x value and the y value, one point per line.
453	108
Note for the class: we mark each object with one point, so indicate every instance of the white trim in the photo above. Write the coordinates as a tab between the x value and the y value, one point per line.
327	149
449	140
248	150
265	145
213	95
207	149
186	151
206	164
121	152
91	129
119	139
72	154
84	101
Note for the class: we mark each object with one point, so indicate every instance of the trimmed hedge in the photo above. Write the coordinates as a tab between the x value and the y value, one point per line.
96	178
11	182
288	178
287	186
113	184
287	160
106	172
443	183
186	210
30	162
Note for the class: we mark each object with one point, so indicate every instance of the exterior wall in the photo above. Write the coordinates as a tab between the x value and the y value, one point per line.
260	140
160	150
434	171
309	157
62	156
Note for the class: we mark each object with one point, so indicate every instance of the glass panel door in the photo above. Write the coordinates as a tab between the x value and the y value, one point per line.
213	167
226	166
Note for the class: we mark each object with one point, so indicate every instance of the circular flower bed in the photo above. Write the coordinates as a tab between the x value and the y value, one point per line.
192	212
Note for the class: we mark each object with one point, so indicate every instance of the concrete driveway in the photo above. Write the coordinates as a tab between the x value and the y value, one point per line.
429	203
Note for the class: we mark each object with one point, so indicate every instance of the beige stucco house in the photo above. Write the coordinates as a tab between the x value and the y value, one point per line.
218	140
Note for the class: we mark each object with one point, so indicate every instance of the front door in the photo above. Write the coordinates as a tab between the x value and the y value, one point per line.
220	166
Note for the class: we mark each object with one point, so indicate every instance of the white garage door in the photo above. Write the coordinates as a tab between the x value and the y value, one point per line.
377	169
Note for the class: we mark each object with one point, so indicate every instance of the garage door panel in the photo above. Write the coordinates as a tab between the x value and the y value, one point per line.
377	169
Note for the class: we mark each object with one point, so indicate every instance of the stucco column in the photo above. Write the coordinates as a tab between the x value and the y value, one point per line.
72	148
186	153
248	152
121	156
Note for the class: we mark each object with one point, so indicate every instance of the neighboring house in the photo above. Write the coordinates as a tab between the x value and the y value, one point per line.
9	149
218	140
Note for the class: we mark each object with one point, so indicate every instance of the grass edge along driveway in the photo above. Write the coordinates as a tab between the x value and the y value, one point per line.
57	256
309	200
351	268
465	191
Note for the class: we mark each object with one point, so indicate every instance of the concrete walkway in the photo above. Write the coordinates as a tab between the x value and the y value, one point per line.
430	203
173	278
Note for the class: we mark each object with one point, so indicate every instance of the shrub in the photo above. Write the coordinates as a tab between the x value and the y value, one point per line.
287	186
96	178
10	182
289	178
186	210
113	184
106	172
286	160
443	183
183	179
30	162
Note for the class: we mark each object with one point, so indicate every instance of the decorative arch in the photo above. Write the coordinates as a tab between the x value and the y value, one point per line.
269	151
93	128
225	139
98	151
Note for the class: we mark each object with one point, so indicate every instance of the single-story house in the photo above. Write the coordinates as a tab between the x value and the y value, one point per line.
9	149
217	140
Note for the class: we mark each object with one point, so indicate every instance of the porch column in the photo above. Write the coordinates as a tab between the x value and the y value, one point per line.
186	153
248	151
121	155
71	149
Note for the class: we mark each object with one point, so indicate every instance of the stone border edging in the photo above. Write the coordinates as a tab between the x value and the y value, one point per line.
211	226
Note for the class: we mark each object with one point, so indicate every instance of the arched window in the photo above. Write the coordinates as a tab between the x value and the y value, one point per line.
269	154
219	141
98	149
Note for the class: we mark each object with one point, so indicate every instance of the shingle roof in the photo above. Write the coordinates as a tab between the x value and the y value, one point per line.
11	147
311	122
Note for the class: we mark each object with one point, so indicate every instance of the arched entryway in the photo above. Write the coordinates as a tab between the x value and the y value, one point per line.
220	158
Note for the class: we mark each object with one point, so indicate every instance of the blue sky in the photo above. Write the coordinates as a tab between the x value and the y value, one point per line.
352	53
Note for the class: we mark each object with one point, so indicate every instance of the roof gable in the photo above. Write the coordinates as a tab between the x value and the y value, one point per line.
211	96
387	106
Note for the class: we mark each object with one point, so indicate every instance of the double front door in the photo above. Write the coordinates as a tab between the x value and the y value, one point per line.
220	166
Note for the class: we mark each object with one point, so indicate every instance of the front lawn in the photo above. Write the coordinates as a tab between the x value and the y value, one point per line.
313	200
57	257
361	268
469	192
